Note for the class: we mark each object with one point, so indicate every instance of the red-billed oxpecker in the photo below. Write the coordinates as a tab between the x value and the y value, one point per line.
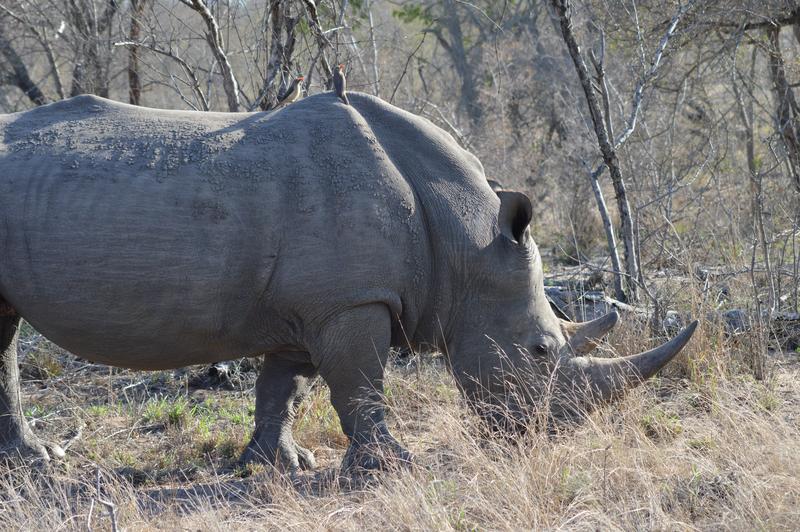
340	84
293	93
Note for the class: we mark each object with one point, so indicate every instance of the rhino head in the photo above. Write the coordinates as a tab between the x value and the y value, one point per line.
514	358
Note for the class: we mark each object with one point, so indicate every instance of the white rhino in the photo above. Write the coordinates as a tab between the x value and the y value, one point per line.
319	236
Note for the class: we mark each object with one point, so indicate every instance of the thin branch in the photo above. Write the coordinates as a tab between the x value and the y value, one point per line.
649	75
321	38
462	139
790	19
375	73
41	36
280	59
20	77
405	67
563	10
195	83
214	38
110	506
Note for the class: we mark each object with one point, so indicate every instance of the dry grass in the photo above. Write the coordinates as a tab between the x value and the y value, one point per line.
705	448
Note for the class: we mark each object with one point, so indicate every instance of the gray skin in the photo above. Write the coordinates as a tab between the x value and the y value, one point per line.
319	235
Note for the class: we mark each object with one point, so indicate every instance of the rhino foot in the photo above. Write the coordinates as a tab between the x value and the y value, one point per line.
383	454
346	351
287	455
284	381
305	458
28	449
17	440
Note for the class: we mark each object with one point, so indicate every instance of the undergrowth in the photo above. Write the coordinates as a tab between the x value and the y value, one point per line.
704	446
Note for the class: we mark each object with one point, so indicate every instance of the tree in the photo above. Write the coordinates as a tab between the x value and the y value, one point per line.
15	72
608	144
138	8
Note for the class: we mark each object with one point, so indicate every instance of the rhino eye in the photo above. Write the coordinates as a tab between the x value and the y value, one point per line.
540	349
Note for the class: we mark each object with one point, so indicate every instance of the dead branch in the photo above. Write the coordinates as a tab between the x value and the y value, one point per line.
786	109
608	226
602	126
110	506
649	75
19	75
351	40
563	10
322	40
91	72
281	51
405	67
215	42
375	74
194	83
41	36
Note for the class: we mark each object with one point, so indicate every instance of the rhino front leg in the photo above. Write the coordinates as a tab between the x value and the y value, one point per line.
16	437
352	354
283	382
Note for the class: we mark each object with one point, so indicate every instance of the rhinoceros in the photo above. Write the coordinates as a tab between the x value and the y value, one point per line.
318	236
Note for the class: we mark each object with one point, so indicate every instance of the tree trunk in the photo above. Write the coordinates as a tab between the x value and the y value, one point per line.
134	80
215	42
786	109
563	8
20	77
611	240
458	54
279	65
375	73
90	75
322	40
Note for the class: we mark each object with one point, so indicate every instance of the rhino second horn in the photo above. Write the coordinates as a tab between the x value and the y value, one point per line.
583	337
611	377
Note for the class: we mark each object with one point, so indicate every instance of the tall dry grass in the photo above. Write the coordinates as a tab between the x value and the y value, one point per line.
706	447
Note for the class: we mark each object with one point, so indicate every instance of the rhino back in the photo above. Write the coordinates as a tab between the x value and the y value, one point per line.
150	239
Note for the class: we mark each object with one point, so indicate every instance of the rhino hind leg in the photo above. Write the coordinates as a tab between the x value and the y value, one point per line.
16	437
283	382
351	355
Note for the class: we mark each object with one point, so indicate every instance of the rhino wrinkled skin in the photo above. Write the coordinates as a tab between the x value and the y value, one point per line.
319	235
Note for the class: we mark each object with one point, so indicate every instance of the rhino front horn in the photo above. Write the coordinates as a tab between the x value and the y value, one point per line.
611	377
583	337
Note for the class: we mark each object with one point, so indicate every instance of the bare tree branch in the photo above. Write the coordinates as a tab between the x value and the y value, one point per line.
280	59
188	69
649	75
20	77
322	41
41	36
788	19
215	42
375	74
786	109
563	10
405	67
602	207
91	72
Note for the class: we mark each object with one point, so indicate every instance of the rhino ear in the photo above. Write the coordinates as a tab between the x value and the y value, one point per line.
515	215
